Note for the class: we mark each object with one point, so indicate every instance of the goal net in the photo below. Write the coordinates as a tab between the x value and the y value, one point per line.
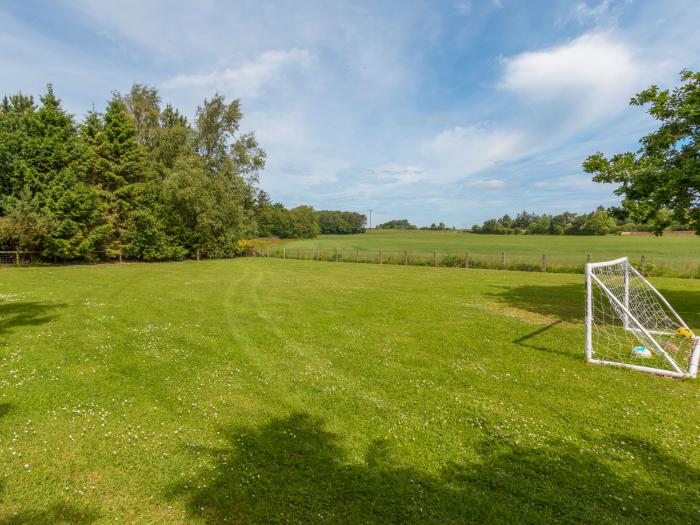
629	323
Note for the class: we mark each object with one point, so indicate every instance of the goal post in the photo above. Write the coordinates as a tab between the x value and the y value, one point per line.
629	323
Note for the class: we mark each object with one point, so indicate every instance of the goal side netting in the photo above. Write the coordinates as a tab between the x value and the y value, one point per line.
629	323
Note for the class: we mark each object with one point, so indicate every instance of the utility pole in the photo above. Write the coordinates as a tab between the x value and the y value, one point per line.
370	219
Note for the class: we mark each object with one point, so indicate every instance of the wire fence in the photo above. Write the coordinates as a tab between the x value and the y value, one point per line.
648	266
467	259
16	258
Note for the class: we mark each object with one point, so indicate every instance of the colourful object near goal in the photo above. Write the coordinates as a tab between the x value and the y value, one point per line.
627	320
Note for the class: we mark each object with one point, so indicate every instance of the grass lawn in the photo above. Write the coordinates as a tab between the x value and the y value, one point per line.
271	391
676	255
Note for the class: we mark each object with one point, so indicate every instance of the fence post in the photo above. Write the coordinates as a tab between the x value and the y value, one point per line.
434	258
466	259
381	257
17	257
357	256
503	259
284	253
405	257
544	263
589	257
642	265
335	255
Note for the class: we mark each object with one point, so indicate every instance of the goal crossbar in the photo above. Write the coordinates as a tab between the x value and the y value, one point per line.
628	319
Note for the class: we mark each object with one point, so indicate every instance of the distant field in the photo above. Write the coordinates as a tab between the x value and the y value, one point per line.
677	256
270	391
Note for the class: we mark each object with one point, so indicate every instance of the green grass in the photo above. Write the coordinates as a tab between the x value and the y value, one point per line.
674	256
270	391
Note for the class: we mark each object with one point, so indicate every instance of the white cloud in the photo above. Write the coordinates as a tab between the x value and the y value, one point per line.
459	152
489	184
585	80
250	77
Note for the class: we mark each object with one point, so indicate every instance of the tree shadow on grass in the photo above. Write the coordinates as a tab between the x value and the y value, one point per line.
5	408
552	304
14	314
291	470
686	303
532	340
567	302
562	302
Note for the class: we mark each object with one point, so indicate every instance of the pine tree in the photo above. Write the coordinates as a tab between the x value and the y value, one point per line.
46	166
119	169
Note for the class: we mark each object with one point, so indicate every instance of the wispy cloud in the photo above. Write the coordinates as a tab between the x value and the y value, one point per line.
490	184
250	77
459	152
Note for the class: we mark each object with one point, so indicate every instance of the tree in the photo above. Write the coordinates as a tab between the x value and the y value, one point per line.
506	221
341	222
492	226
204	212
304	222
118	168
143	106
401	224
219	142
599	223
665	171
540	226
27	224
173	138
44	176
663	219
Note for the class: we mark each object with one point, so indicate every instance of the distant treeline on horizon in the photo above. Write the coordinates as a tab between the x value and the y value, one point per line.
601	221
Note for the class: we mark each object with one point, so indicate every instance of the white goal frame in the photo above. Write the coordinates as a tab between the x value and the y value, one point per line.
650	336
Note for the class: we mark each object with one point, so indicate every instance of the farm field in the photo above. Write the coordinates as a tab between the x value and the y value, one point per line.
267	391
676	256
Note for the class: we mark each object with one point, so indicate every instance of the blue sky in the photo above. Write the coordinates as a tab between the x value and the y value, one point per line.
451	111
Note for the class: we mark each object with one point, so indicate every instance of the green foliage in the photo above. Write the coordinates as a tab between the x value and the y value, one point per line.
440	227
602	221
665	172
304	222
599	223
274	221
27	224
47	202
205	212
341	222
135	181
397	224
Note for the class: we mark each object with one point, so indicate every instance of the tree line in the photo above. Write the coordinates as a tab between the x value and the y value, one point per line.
274	220
601	221
403	224
138	180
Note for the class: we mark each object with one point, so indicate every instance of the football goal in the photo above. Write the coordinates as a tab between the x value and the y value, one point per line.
630	324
